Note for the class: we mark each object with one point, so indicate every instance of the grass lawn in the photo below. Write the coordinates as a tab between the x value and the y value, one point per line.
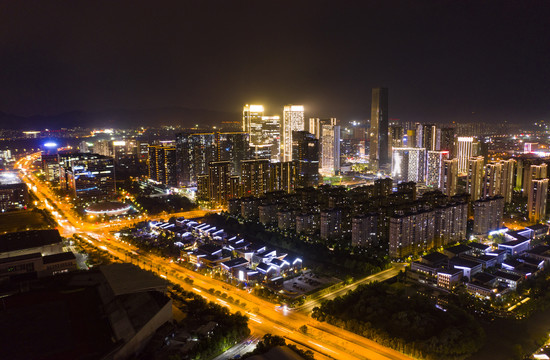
22	220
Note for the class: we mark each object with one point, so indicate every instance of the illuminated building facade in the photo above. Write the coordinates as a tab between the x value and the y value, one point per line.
305	152
533	172
434	174
162	164
475	177
330	149
364	230
449	177
255	177
378	136
252	120
536	201
194	152
315	125
447	141
85	175
233	147
221	185
499	179
408	164
488	213
466	148
14	194
293	120
430	137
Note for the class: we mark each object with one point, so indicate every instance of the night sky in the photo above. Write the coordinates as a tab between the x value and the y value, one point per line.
441	60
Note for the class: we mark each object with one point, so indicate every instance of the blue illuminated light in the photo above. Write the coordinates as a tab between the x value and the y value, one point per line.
50	144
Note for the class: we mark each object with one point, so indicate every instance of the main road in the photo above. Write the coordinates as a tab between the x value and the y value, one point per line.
325	340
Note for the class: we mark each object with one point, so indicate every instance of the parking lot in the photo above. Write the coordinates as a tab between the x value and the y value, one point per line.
307	282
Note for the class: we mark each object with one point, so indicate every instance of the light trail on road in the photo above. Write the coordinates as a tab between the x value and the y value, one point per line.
325	340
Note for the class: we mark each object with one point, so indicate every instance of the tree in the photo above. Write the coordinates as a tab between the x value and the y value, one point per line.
303	329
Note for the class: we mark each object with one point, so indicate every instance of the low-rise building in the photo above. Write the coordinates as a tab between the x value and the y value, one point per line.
468	267
448	278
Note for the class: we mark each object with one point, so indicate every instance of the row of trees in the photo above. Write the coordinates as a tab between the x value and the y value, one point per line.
270	341
404	321
231	328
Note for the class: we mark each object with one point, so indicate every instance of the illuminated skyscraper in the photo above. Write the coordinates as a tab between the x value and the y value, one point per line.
408	164
330	149
252	120
536	201
450	177
430	138
379	156
255	177
162	164
305	152
467	147
434	174
493	179
533	172
475	177
315	125
448	141
194	152
233	147
293	120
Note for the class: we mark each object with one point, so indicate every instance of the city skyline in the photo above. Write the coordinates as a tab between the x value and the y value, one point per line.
490	67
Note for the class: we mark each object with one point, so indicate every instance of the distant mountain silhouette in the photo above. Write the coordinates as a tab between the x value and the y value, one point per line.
120	118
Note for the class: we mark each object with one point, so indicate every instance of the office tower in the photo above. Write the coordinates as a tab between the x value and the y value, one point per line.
269	146
450	177
467	147
397	135
488	214
255	177
434	176
378	138
533	172
408	164
221	185
233	147
536	201
448	141
331	223
87	175
283	176
194	152
305	152
163	165
330	149
364	230
252	119
475	177
315	125
293	120
430	139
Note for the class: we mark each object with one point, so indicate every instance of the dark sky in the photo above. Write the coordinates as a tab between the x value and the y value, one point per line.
441	60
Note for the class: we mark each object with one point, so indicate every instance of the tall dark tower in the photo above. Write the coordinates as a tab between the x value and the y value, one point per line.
379	150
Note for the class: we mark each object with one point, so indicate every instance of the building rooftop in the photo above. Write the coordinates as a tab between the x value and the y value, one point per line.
435	257
449	271
235	262
508	276
64	256
21	257
520	240
463	263
483	277
540	250
458	249
478	246
28	239
538	227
